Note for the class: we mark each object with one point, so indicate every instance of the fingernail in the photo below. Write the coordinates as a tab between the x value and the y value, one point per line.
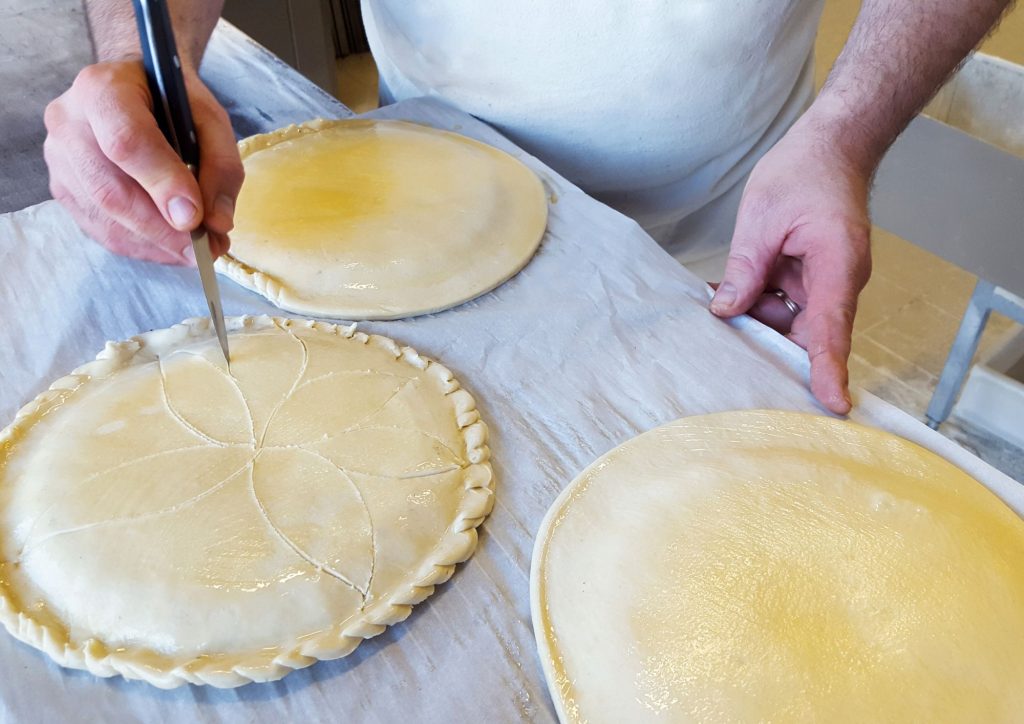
724	297
225	207
182	212
190	255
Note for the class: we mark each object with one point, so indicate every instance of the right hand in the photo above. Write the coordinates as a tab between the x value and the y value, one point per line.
111	167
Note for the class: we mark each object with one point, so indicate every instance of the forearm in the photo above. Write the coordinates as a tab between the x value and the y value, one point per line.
898	55
115	37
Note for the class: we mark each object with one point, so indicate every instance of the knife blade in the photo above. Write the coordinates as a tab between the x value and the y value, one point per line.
174	116
208	277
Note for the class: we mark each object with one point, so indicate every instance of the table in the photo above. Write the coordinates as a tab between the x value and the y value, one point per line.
601	337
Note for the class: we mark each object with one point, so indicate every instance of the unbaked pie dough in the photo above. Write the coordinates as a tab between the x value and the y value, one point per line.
363	219
771	566
168	520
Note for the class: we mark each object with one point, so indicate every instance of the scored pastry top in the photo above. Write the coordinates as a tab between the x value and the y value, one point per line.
167	518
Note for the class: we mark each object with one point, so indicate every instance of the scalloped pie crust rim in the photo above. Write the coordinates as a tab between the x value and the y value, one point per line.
342	639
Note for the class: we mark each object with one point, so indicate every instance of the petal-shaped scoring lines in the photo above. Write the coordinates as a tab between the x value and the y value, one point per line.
345	496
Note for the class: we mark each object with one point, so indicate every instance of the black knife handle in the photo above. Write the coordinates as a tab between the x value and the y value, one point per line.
166	82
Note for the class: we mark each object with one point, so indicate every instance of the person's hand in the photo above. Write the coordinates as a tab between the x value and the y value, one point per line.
803	228
111	167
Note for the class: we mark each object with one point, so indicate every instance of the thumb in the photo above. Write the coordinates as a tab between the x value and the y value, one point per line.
757	243
746	273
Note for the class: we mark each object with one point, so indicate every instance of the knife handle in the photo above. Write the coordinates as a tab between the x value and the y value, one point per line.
166	82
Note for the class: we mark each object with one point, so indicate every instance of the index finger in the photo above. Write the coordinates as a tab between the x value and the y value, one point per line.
128	134
832	293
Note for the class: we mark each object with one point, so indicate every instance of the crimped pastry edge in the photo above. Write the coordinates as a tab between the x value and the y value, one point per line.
341	639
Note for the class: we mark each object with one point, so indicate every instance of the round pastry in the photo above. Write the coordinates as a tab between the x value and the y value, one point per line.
168	518
379	219
775	566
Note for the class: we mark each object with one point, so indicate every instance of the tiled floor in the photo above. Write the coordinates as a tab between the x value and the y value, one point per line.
908	316
910	310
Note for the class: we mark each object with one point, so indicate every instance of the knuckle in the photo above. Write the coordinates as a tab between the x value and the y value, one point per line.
840	318
92	75
845	313
60	193
209	106
123	143
234	173
54	114
227	161
863	269
816	349
221	115
86	76
111	240
113	198
861	277
743	264
831	328
856	232
49	152
224	171
858	245
860	235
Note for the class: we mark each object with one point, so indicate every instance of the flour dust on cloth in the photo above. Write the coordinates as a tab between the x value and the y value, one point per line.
779	566
659	109
167	518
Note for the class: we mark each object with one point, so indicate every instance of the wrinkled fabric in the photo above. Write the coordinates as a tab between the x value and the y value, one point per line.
601	337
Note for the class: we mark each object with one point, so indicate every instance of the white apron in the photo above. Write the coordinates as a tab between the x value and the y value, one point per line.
659	108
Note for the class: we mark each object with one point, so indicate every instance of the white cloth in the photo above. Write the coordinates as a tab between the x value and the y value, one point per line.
658	108
601	337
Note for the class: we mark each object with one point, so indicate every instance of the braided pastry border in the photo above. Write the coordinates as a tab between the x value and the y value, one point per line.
342	639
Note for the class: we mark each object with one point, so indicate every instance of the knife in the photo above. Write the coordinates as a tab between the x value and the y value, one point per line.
174	116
